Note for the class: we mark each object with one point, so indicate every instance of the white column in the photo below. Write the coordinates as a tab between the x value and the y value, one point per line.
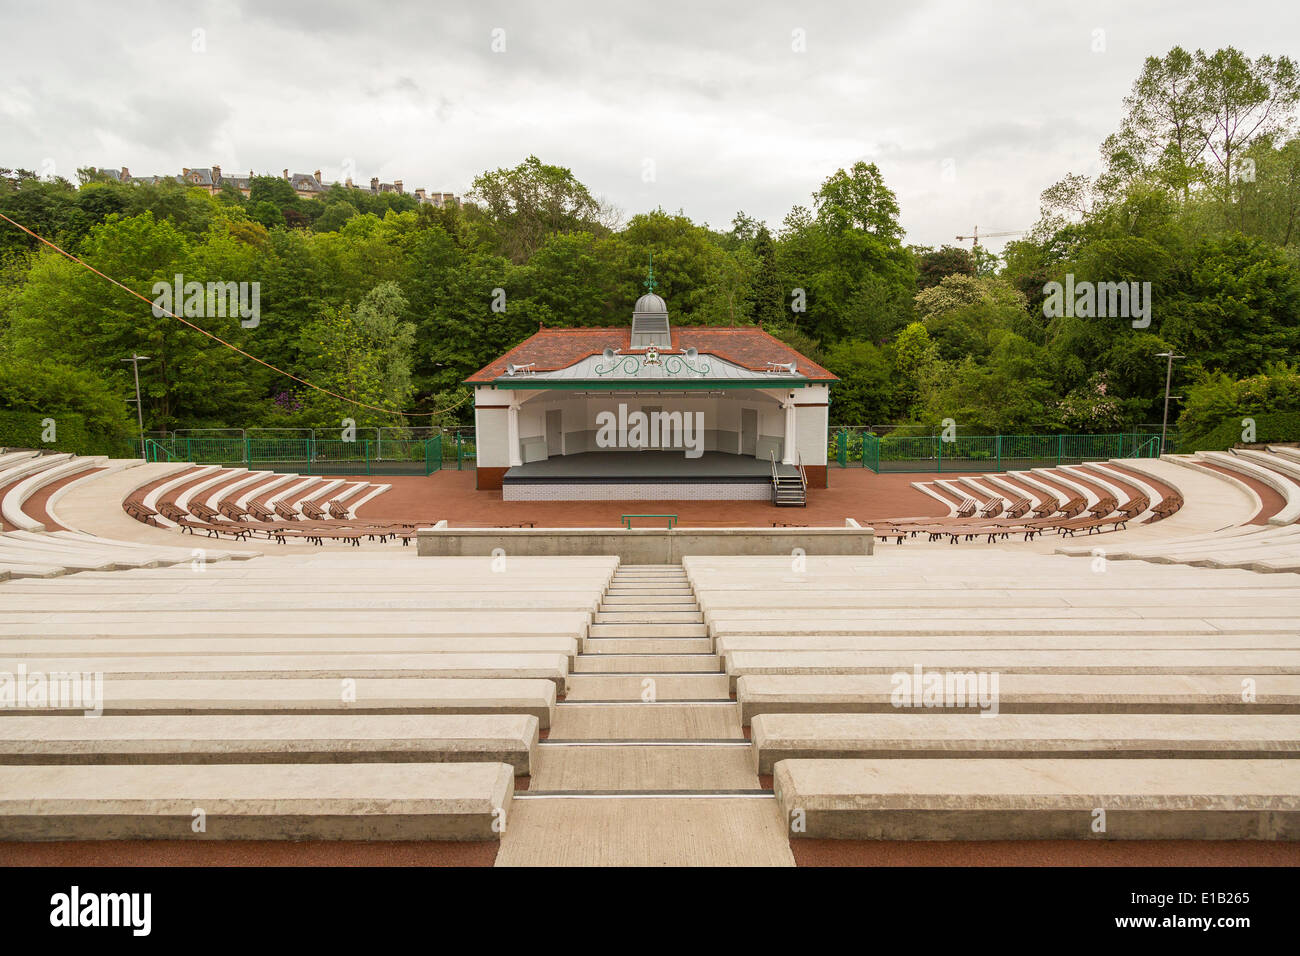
789	457
512	431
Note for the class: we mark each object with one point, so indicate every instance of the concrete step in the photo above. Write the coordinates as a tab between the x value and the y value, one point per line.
389	801
683	686
647	630
1031	799
642	767
675	579
645	831
649	617
684	594
646	664
648	645
1099	736
665	720
286	738
679	607
610	601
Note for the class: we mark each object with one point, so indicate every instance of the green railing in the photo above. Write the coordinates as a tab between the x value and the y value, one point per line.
965	453
306	456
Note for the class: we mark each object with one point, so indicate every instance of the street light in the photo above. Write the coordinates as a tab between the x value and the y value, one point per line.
1169	374
135	361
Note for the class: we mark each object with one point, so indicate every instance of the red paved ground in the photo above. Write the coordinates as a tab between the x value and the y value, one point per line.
35	506
1195	853
1270	501
853	493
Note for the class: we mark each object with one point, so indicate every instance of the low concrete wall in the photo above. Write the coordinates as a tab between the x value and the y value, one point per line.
643	545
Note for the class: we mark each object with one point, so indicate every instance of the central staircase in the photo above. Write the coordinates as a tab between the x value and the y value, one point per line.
646	762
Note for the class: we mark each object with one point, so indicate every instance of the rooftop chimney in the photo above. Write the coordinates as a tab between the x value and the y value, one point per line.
349	182
397	184
374	184
216	174
318	179
286	174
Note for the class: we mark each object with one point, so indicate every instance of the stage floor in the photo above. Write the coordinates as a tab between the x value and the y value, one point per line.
603	467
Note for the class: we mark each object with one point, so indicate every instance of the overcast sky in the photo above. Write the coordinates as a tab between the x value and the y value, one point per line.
970	109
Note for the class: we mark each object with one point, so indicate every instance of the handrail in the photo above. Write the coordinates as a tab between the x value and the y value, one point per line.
774	473
803	475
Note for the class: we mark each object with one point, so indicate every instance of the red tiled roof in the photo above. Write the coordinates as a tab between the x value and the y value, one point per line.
747	346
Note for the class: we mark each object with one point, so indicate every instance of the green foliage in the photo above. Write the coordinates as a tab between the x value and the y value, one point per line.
89	415
1269	427
1217	402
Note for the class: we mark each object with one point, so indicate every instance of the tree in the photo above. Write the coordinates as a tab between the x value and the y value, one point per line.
1244	100
859	199
932	265
362	354
522	206
1165	130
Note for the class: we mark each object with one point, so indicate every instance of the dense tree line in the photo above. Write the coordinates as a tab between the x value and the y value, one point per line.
393	303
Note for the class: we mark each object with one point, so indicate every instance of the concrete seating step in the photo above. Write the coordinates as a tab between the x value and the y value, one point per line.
680	686
647	630
321	696
665	720
361	627
14	569
743	663
552	667
324	646
389	801
1030	626
941	799
871	642
287	738
648	645
915	733
646	663
1032	694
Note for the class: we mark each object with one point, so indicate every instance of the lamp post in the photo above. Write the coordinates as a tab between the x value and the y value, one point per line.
1169	374
135	361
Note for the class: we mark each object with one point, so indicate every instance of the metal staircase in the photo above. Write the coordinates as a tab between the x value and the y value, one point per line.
789	490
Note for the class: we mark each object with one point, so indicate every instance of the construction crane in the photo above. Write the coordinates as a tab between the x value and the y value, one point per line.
975	236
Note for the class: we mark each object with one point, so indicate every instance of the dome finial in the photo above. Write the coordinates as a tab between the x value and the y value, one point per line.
650	275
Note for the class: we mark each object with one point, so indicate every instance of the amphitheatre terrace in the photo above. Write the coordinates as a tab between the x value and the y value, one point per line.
514	700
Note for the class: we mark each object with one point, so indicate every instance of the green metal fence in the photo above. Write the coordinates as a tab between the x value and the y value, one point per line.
966	453
305	456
